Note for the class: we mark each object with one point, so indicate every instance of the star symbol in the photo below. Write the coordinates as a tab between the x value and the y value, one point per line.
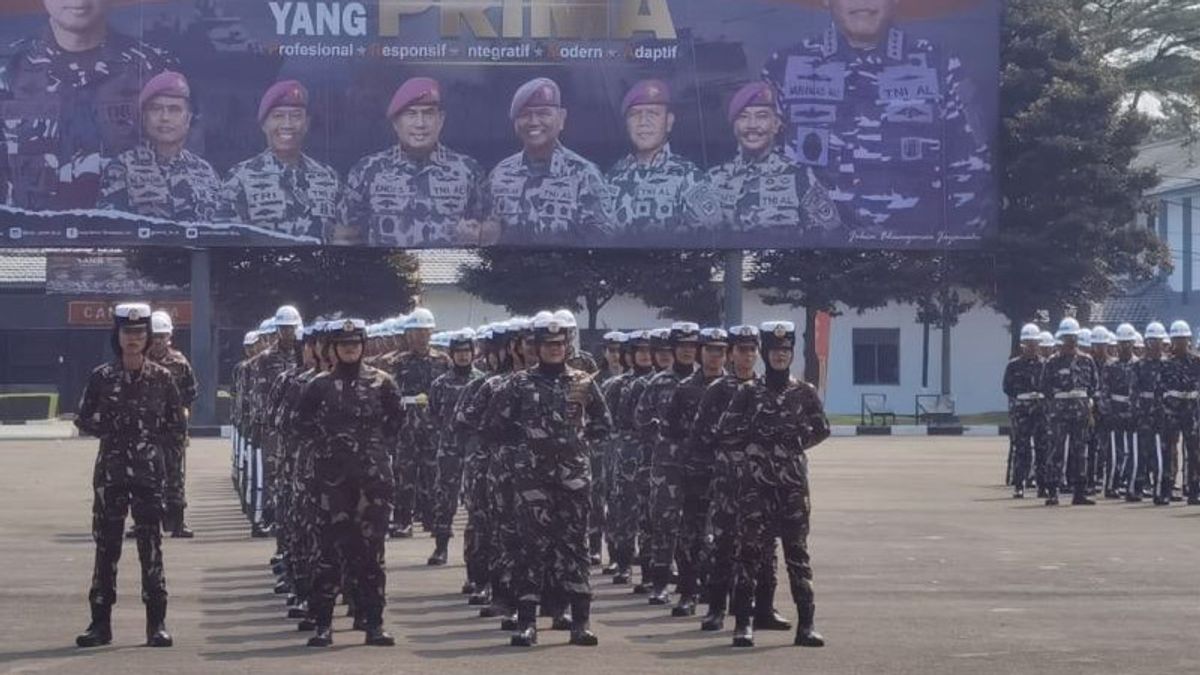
362	50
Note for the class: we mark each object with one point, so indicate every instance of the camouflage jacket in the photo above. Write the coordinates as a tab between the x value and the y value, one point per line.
681	418
650	416
1022	377
582	360
1117	386
771	195
134	416
564	200
352	417
183	188
773	427
267	367
893	131
299	201
393	199
1147	386
668	196
1068	382
703	441
181	371
444	394
1180	379
64	114
414	374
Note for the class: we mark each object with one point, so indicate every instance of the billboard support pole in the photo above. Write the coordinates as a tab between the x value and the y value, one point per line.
733	287
204	361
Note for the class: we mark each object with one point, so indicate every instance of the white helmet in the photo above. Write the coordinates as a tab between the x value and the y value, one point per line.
544	315
1100	336
288	315
1030	331
250	339
266	327
1180	329
160	323
1139	341
1084	337
1046	339
421	318
565	318
1126	333
1068	326
1155	331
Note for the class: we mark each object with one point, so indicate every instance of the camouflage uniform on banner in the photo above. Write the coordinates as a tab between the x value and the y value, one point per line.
403	201
1022	377
175	449
1070	382
453	446
1147	463
183	188
134	414
668	196
772	196
297	200
774	420
563	200
353	413
64	114
891	130
546	412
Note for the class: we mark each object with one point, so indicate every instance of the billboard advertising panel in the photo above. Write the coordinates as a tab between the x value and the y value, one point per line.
438	123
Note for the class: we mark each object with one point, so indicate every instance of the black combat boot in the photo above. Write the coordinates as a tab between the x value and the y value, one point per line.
562	619
765	615
718	599
743	634
376	635
685	607
156	626
525	634
440	551
1080	497
469	588
323	635
622	576
99	631
1051	496
176	525
609	569
1019	492
659	577
400	532
581	622
1193	494
480	597
805	635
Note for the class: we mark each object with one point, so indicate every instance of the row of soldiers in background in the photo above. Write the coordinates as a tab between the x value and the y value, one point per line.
137	405
1099	411
691	472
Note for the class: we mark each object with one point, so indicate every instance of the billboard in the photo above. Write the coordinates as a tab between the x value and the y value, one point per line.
464	123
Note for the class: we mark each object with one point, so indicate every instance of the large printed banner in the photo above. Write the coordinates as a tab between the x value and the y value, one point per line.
440	123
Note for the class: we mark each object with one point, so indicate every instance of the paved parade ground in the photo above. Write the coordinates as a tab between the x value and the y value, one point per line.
923	564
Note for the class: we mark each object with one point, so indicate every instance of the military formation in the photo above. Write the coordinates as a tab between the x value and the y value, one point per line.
860	131
1100	412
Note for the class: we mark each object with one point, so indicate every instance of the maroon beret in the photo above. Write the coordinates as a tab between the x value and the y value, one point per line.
755	94
287	92
540	91
166	83
646	92
418	90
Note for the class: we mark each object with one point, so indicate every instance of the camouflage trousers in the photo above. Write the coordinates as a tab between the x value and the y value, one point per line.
551	523
478	548
1183	439
352	526
174	489
767	512
1150	456
599	461
270	462
666	514
691	551
1027	422
1066	458
721	528
625	500
114	498
451	453
302	532
504	533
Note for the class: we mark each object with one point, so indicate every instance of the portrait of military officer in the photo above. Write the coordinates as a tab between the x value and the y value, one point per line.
159	177
656	193
418	192
887	121
545	193
282	189
764	197
68	103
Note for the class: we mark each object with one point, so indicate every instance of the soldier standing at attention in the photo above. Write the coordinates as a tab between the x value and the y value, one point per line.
418	192
760	191
1145	470
353	413
282	189
175	449
776	419
130	404
1118	383
656	194
1181	401
1022	377
545	193
1070	382
160	178
68	102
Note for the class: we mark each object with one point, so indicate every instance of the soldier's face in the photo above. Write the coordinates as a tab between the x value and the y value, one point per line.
1125	350
287	334
686	354
649	126
1029	348
612	354
539	127
529	351
863	22
159	343
642	357
285	128
418	338
755	129
419	127
664	358
133	340
552	353
712	358
167	119
348	352
462	357
744	357
1180	345
780	358
76	16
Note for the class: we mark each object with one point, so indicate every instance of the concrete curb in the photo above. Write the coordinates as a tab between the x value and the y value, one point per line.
920	430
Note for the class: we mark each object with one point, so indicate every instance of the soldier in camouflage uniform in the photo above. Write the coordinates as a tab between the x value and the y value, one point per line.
160	178
1022	380
613	364
132	405
282	189
547	412
772	422
888	122
1181	401
272	362
1144	469
419	192
1070	382
175	449
68	104
545	194
415	462
1118	384
353	414
763	196
452	446
602	452
624	497
656	194
666	459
